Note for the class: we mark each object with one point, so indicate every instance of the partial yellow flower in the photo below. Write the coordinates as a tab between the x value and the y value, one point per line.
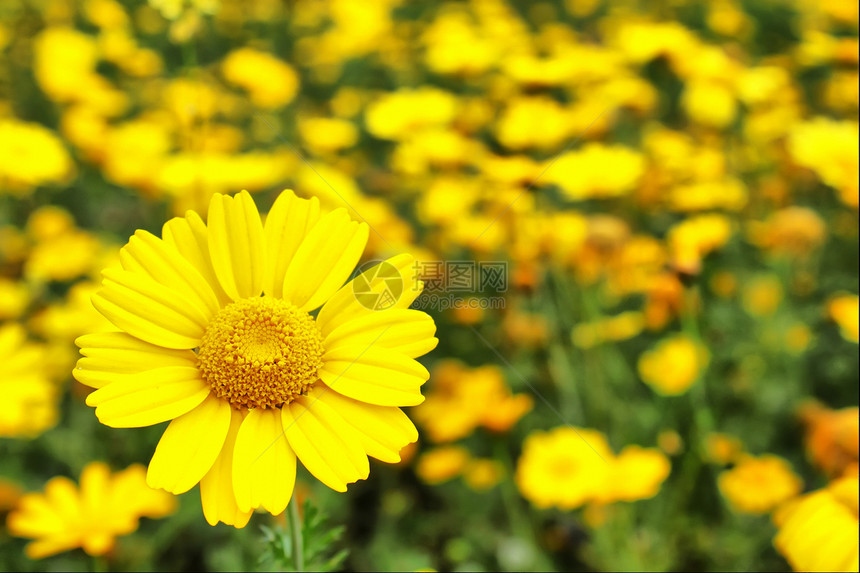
830	149
844	310
832	438
762	295
637	473
106	506
597	171
30	155
673	365
463	399
818	531
759	484
692	239
483	474
442	464
270	82
722	448
215	334
564	467
29	396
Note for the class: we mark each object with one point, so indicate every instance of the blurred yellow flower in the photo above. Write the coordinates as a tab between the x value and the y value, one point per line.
832	438
762	295
819	530
709	103
564	467
530	122
29	395
462	399
63	257
692	239
398	114
442	464
64	59
596	171
844	310
830	148
30	156
14	298
759	484
623	326
270	82
722	449
637	473
106	506
795	231
483	474
324	135
673	365
568	467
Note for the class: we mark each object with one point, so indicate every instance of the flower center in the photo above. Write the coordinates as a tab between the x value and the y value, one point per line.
260	353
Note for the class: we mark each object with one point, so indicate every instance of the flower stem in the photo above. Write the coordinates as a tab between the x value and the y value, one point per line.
296	535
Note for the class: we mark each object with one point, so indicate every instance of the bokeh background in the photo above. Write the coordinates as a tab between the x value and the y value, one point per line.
666	379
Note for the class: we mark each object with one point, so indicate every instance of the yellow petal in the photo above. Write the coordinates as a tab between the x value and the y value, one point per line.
264	466
324	442
343	306
382	430
189	446
113	356
324	260
407	331
216	487
189	236
146	253
287	224
237	245
150	397
149	311
374	375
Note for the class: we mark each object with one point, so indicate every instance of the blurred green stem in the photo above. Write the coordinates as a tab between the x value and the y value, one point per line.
100	564
295	521
522	525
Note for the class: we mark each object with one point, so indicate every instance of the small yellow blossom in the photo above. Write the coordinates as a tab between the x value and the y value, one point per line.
844	310
691	240
832	438
398	114
30	397
721	448
463	399
483	474
673	365
762	295
793	231
442	464
759	484
30	156
597	171
637	473
106	506
829	148
819	530
568	467
270	82
565	467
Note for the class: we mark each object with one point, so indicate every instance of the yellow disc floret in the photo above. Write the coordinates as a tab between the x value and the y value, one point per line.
260	353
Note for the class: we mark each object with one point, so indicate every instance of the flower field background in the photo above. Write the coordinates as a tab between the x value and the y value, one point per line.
636	224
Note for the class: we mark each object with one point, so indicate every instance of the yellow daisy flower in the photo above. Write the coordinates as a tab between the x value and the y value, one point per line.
216	334
105	506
